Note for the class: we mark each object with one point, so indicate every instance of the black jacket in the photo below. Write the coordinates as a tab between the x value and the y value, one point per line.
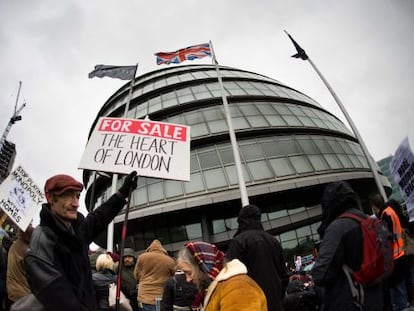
262	254
179	292
57	260
101	281
341	244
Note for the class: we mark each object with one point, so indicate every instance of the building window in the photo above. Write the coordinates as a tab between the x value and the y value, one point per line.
195	184
282	167
215	178
318	162
194	231
259	170
209	159
173	188
219	226
301	164
233	177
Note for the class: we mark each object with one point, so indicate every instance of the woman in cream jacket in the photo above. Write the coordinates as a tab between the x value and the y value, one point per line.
222	286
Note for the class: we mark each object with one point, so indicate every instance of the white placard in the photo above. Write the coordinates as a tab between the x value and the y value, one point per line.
402	168
20	197
153	149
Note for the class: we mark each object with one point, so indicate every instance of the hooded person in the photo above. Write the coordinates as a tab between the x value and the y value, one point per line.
396	286
262	254
222	285
152	270
341	244
127	276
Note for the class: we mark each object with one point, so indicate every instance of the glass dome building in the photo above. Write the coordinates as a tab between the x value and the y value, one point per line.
290	148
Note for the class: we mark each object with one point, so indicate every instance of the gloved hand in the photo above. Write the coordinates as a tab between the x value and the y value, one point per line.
130	184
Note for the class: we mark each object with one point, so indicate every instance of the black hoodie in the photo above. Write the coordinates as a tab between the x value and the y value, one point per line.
341	245
262	254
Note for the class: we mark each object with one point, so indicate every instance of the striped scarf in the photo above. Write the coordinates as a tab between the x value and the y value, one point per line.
208	257
210	260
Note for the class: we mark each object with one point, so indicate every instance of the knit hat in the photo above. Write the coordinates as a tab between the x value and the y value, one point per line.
129	252
208	257
114	256
58	184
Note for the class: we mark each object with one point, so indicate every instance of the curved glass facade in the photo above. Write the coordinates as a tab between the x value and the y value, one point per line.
290	147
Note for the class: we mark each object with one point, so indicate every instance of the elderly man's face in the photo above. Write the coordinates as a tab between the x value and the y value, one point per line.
65	206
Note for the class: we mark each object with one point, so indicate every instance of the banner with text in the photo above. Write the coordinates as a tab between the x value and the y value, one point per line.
153	149
20	197
402	168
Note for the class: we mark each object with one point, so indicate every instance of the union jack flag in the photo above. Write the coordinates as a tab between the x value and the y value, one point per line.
188	53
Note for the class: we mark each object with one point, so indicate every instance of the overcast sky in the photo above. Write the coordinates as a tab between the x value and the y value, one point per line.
363	48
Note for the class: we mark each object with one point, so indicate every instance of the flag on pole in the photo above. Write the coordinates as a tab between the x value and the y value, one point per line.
300	52
118	72
188	53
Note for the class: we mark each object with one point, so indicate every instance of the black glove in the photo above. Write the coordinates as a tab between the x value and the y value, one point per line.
130	184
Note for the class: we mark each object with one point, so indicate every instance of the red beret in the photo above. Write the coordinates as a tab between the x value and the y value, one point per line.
58	184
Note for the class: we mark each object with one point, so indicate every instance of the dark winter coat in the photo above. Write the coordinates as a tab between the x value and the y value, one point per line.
179	292
127	274
341	244
57	261
262	254
101	281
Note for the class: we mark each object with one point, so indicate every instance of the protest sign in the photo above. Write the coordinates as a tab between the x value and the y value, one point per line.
20	197
402	168
153	149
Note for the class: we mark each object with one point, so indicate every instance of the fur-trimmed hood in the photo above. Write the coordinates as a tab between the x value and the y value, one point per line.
232	268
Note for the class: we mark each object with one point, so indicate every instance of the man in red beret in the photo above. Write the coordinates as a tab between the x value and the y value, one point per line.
57	260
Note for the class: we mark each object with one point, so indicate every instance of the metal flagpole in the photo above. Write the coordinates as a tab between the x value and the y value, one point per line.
302	54
235	147
110	233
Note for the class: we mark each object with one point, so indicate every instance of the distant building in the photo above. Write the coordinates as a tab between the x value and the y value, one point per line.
7	156
384	166
290	148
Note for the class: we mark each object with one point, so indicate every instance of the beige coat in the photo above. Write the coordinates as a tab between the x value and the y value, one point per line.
152	270
17	285
234	290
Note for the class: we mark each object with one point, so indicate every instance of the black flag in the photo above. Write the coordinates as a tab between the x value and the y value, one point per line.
300	52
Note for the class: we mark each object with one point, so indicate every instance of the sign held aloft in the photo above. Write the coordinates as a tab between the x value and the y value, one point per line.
20	197
153	149
402	168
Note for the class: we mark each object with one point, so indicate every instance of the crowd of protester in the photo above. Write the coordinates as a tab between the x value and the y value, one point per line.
54	266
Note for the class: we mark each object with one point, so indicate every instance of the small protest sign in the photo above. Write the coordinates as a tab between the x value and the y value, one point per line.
402	168
153	149
20	197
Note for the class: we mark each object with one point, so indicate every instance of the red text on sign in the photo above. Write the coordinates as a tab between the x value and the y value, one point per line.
149	128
